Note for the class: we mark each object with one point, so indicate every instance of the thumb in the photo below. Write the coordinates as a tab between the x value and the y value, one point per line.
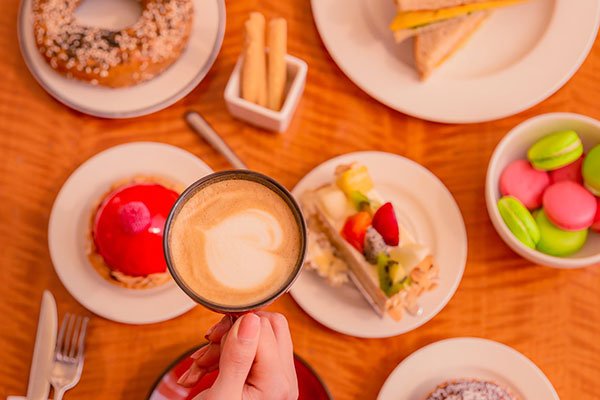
237	356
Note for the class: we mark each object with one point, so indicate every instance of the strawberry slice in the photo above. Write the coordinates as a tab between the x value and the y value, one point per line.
355	228
385	222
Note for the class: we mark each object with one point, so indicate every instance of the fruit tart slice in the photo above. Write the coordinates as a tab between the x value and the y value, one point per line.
354	233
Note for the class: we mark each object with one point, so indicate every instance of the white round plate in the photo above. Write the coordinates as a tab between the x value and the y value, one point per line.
520	56
148	97
426	208
450	359
69	224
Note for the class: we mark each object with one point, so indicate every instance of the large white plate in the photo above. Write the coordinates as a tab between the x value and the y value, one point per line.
69	224
428	211
419	374
519	57
167	88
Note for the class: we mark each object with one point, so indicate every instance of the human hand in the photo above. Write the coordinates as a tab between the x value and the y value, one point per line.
254	356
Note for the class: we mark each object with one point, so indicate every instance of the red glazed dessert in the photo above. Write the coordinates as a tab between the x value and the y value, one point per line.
127	233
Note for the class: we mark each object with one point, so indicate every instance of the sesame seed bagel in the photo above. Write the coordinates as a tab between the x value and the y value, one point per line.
112	58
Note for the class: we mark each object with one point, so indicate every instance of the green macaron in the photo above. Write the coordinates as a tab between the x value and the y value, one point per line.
555	150
555	241
591	171
519	221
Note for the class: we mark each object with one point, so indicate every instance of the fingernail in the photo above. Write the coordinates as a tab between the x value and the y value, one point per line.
183	377
195	376
199	353
210	331
249	326
204	355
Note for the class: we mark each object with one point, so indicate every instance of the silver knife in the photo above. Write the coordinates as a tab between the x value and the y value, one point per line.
43	352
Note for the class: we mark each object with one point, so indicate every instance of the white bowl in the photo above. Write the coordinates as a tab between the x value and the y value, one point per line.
514	146
264	117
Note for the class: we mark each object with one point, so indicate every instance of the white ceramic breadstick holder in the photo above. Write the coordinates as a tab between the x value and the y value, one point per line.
264	117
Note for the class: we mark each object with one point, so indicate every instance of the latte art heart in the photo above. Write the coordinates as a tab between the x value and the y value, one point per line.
241	250
235	242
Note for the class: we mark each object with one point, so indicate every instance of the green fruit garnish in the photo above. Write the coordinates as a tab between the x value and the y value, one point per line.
400	285
360	201
385	282
392	276
397	271
394	289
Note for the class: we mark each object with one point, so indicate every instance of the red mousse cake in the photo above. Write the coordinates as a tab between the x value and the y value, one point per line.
127	232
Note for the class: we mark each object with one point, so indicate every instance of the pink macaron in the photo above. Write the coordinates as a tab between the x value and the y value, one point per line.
570	206
596	224
521	180
571	172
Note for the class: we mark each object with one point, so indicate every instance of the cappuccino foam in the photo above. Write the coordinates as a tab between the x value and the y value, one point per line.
235	242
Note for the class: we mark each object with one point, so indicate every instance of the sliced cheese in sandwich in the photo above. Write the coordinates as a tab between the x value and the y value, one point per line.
434	46
416	16
415	5
403	34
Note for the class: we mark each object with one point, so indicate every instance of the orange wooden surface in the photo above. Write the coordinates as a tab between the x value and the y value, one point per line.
551	316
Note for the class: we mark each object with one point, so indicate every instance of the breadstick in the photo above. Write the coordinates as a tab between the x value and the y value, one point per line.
262	62
249	89
254	85
277	74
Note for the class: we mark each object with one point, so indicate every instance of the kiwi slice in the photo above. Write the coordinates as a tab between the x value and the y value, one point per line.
392	276
360	201
385	283
397	272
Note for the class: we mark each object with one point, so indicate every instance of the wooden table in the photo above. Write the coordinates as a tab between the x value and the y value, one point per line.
551	316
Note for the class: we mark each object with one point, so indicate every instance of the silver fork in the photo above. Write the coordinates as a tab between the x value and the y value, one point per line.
69	354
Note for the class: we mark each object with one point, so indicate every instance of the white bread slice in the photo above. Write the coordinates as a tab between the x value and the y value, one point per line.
434	46
403	34
415	5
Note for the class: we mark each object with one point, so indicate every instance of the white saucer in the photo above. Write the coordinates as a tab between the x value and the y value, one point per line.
520	56
159	93
427	209
69	224
420	373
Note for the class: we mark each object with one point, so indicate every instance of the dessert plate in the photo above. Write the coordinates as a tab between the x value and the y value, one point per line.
68	231
310	385
451	359
428	211
510	64
162	91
